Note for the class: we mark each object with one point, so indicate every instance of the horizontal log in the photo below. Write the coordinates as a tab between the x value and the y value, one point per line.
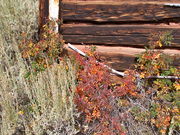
117	30
113	40
128	35
119	12
123	58
106	40
132	1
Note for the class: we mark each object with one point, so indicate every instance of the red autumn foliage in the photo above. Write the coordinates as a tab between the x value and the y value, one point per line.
96	97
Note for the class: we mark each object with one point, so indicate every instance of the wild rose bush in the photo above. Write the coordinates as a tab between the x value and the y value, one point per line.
158	105
96	97
162	93
150	103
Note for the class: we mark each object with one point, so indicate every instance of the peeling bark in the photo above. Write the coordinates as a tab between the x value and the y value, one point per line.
54	12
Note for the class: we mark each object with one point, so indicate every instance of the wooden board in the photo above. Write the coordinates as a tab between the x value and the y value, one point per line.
119	35
119	12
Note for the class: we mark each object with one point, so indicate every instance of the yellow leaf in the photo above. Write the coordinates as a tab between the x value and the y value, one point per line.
177	86
96	113
142	75
36	49
163	131
175	110
157	56
160	44
153	121
45	35
30	45
67	67
20	112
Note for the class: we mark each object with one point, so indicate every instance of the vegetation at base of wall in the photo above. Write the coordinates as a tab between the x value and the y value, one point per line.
42	53
138	105
96	97
157	105
161	95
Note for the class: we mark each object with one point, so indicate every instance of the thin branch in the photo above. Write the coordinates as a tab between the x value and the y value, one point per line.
172	4
77	50
121	73
163	77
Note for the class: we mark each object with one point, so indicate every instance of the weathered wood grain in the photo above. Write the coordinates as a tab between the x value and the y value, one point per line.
127	35
116	30
106	40
119	12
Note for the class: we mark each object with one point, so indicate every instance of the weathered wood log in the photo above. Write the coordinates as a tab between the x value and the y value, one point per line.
127	35
172	1
118	72
43	14
117	30
106	40
119	12
123	58
122	61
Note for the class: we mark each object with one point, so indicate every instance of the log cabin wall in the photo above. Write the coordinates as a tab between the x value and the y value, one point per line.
121	27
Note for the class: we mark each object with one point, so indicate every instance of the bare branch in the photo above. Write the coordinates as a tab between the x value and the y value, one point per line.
172	4
163	77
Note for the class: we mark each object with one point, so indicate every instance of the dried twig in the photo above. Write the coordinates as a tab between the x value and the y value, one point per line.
172	4
163	77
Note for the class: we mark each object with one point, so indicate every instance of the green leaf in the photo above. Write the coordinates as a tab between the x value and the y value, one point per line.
27	75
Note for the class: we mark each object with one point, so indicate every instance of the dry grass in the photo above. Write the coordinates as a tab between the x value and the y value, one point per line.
40	104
